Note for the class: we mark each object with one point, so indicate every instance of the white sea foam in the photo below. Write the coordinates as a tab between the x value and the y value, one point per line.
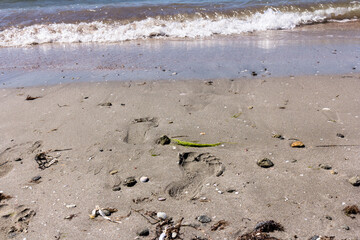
101	32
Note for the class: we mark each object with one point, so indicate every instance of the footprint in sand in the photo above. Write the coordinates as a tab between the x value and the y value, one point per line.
196	168
138	128
16	153
14	220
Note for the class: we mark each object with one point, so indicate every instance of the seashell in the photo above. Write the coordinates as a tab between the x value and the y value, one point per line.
162	236
106	212
297	144
144	179
161	215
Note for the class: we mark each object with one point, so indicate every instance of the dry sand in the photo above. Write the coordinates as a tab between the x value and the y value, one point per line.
94	148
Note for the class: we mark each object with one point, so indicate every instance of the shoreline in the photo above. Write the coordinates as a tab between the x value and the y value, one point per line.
308	50
102	133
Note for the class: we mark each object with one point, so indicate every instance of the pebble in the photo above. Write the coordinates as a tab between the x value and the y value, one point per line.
325	166
161	215
355	181
340	135
36	178
346	227
71	206
163	140
161	199
116	188
130	182
265	163
298	144
144	232
230	190
204	219
113	172
328	217
144	179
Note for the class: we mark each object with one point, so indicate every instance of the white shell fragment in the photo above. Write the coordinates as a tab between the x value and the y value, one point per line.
144	179
161	215
71	206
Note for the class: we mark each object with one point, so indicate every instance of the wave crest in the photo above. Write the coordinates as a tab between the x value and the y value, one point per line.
195	27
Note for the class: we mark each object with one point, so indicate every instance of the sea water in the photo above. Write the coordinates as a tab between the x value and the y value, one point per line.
52	42
24	23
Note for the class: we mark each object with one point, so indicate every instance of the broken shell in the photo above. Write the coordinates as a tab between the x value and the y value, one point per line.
144	179
106	212
297	144
162	236
94	213
161	215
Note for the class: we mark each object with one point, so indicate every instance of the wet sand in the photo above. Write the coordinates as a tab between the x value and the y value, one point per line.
94	136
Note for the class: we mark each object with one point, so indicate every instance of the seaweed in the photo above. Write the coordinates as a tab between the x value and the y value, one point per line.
351	210
192	144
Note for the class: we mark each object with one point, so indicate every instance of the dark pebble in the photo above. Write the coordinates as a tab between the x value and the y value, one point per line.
328	217
163	140
143	233
18	159
340	135
130	182
204	219
265	163
116	188
254	74
36	178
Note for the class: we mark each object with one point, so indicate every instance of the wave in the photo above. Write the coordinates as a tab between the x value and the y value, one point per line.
197	25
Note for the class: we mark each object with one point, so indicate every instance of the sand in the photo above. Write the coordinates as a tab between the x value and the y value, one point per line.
90	149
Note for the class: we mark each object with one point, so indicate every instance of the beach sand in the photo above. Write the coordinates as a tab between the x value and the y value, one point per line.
96	135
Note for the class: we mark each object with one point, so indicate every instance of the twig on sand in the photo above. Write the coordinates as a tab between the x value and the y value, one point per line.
335	145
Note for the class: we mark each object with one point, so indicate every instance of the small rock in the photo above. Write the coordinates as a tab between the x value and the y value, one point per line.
333	172
144	232
163	140
161	215
279	136
106	104
36	178
173	235
328	217
18	159
161	199
346	228
253	73
325	166
315	237
298	144
204	219
144	179
71	206
355	181
130	182
340	135
116	188
265	163
114	172
230	190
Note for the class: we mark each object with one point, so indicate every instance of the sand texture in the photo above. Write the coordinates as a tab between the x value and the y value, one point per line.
70	148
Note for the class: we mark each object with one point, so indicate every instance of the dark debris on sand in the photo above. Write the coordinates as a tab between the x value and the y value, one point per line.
261	229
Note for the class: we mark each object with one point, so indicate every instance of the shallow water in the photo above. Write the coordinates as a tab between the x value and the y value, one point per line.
25	23
310	50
